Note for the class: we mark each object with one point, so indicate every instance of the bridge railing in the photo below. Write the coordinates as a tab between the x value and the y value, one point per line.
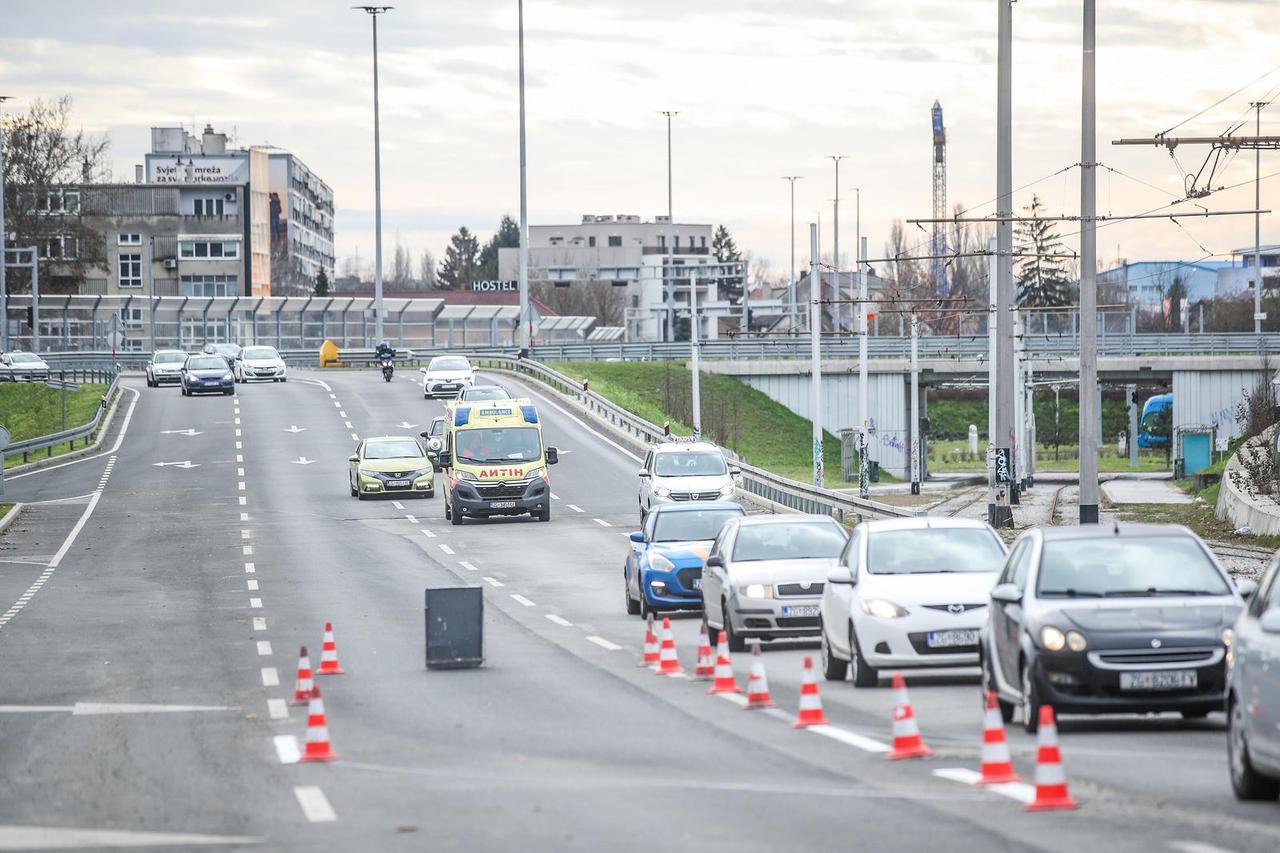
792	494
84	432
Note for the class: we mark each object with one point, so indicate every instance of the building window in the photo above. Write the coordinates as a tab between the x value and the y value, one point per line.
704	242
556	241
62	248
130	269
209	207
209	285
208	249
129	240
662	241
591	241
615	240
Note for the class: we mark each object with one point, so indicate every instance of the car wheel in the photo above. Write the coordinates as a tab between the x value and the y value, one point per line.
864	674
633	606
184	391
1247	783
543	515
284	379
737	643
989	686
229	392
455	515
833	669
354	491
1030	701
646	610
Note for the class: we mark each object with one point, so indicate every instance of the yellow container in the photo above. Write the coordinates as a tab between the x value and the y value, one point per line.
329	354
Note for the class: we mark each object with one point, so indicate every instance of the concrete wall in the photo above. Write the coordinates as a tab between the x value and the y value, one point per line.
1209	398
1236	504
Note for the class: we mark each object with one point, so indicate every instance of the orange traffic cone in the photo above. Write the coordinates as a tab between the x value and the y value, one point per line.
906	733
724	681
1051	781
329	654
757	684
810	702
651	655
318	748
668	662
302	687
705	668
997	766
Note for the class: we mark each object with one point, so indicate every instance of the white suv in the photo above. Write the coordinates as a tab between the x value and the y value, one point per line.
447	376
685	471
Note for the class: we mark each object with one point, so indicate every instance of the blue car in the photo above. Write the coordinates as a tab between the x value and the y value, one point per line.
204	374
664	568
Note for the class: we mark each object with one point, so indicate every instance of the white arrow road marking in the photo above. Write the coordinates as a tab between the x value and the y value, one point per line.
302	460
57	838
406	425
186	463
314	805
189	431
295	428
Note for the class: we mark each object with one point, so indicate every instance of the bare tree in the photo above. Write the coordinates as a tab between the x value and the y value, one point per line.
401	265
427	270
594	299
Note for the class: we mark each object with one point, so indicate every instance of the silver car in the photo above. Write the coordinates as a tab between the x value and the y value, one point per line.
23	365
165	366
1253	694
764	576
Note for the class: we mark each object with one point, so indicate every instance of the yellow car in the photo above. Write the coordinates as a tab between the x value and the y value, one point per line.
390	465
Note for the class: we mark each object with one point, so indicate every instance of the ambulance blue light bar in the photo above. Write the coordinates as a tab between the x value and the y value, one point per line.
461	415
530	414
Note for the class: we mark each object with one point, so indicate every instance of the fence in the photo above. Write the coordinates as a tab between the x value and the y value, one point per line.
85	432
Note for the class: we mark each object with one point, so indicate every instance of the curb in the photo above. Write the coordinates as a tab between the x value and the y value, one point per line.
10	517
103	429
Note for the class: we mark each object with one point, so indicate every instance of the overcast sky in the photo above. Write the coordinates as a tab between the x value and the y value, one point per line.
764	88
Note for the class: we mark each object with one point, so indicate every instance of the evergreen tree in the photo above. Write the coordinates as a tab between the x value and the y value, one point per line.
322	283
1043	281
461	261
507	237
726	251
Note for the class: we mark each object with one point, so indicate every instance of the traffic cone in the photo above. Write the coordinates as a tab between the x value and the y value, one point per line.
651	655
810	702
302	687
757	684
906	733
997	766
724	682
318	748
668	662
1051	781
705	668
329	654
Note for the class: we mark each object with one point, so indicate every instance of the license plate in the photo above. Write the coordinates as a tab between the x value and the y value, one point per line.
949	639
447	387
502	504
801	610
394	483
697	583
1172	679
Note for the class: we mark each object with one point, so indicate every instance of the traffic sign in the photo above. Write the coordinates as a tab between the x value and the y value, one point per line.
116	338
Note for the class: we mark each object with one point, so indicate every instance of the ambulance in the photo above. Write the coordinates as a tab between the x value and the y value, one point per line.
493	462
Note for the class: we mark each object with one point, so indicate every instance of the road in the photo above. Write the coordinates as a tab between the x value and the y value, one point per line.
163	606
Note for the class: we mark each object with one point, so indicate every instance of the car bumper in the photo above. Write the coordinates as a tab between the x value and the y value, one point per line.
220	385
679	589
1074	686
166	378
420	486
772	617
251	374
444	389
904	642
536	498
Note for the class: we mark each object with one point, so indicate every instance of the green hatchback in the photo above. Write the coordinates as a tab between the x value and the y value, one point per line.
390	465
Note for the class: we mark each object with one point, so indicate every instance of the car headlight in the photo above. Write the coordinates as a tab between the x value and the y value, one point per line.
424	473
365	472
1052	639
662	491
227	377
536	472
465	475
660	563
728	490
1076	641
882	608
1228	637
757	590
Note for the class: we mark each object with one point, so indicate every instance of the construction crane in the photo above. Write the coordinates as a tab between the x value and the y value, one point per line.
939	244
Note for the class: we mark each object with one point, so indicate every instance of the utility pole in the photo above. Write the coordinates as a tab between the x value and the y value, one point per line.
1131	403
526	323
148	259
864	408
992	379
4	290
374	12
857	229
815	354
694	346
914	457
837	309
1089	409
791	299
670	254
1258	316
999	514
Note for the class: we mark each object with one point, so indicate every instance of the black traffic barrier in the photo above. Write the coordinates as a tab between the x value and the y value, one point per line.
455	627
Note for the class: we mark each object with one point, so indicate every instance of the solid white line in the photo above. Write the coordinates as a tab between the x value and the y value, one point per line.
603	643
854	740
1019	791
250	568
492	581
1198	847
251	585
264	648
602	522
75	531
736	698
520	599
559	620
255	603
124	428
426	531
575	508
287	748
277	709
270	678
467	566
314	805
259	623
445	548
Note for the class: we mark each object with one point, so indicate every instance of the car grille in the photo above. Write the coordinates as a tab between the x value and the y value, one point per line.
952	608
695	496
797	621
1149	657
494	491
799	589
686	577
920	642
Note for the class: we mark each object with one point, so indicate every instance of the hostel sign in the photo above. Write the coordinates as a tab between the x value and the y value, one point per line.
495	286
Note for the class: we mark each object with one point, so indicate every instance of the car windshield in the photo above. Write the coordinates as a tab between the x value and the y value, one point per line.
23	358
508	444
437	428
207	362
449	363
1128	566
486	393
688	525
692	464
170	357
398	449
938	550
797	540
265	353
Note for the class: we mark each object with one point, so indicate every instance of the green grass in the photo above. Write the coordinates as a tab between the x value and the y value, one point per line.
1199	517
4	509
30	410
1108	460
734	415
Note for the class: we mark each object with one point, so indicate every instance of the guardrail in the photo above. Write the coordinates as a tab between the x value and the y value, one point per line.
793	494
68	436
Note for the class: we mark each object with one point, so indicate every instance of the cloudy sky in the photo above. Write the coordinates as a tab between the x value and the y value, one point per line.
763	87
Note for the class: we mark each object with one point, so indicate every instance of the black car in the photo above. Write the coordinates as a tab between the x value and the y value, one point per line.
205	374
1101	619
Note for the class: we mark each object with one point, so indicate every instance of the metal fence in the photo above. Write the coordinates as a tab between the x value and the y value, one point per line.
84	433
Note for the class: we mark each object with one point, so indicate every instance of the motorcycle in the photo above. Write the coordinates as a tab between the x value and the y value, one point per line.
388	367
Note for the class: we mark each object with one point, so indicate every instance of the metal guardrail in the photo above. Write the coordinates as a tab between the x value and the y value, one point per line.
793	494
69	436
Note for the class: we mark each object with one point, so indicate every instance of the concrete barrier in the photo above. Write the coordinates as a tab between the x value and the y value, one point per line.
1238	504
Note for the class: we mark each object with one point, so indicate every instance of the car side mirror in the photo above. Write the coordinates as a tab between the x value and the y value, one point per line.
553	455
425	433
1246	587
841	574
644	473
1006	593
354	457
715	561
735	471
422	370
1270	621
445	458
637	537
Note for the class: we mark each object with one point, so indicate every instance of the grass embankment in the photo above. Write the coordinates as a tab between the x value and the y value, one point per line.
4	509
31	409
734	415
948	456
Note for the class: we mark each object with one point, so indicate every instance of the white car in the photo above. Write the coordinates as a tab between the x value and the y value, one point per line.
165	366
23	365
447	376
680	471
765	573
257	362
909	592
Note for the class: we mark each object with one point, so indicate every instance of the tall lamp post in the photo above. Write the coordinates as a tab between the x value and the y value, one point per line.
374	12
4	292
835	228
670	259
525	323
791	298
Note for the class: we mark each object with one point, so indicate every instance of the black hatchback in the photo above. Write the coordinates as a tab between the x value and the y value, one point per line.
1104	619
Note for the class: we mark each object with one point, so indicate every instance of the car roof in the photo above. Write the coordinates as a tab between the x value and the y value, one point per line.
390	438
923	522
690	506
785	518
686	447
1112	531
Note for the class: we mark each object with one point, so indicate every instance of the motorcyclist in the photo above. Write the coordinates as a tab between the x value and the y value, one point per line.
385	350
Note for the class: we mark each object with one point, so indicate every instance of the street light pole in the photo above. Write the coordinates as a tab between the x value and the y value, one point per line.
999	513
670	253
815	354
525	321
791	295
1088	277
857	227
4	291
1257	223
374	12
694	347
839	309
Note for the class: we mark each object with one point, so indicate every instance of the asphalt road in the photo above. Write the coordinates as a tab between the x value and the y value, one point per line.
144	673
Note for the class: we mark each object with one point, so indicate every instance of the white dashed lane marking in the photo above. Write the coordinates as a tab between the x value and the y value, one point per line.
412	519
445	548
314	805
559	620
277	709
246	550
264	648
575	508
602	522
250	568
259	623
603	643
287	748
493	581
397	504
426	531
270	678
520	599
255	603
467	566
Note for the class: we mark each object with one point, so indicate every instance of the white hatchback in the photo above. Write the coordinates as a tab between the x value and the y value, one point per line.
909	592
447	376
260	363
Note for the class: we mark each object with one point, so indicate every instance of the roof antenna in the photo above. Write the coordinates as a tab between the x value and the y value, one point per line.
1115	526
